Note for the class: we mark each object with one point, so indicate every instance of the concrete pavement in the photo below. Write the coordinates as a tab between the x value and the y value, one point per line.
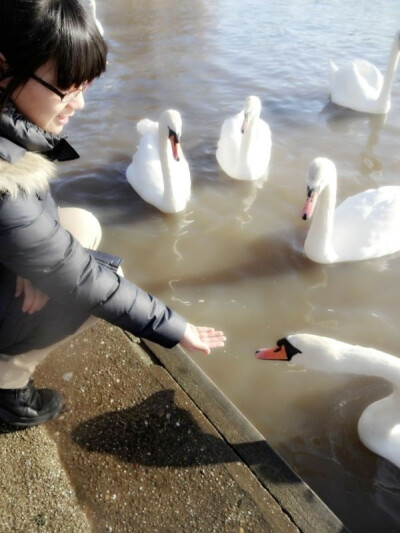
147	443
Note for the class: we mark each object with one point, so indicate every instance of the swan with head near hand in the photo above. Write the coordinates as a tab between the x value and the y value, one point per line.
244	145
360	86
364	226
379	424
159	172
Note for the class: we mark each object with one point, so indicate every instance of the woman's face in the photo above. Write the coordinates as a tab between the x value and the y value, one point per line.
43	107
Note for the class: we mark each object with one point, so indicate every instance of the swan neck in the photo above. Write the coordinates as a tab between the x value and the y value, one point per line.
248	135
246	153
331	355
389	73
318	244
165	160
370	362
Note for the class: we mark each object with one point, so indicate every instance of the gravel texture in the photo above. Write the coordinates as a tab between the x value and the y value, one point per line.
130	453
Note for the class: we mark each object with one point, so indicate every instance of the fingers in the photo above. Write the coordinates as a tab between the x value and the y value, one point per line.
202	347
39	302
213	338
34	299
210	338
19	287
29	296
202	338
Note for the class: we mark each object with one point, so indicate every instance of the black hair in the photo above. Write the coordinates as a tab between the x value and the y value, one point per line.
33	32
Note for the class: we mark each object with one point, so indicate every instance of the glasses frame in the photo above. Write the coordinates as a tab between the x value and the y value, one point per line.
63	96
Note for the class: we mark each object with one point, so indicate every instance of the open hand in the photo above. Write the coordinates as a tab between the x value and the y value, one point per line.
198	338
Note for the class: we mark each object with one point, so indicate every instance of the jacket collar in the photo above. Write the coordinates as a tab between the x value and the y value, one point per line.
18	136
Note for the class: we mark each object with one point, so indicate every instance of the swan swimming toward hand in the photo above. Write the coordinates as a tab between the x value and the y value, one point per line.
379	424
360	86
92	4
159	172
364	226
244	146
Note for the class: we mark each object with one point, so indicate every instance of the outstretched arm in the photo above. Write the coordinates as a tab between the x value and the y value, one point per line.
197	338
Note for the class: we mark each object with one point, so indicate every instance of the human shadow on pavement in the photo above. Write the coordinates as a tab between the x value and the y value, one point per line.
159	433
156	433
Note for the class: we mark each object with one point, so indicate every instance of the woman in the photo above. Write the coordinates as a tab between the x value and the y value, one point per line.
52	280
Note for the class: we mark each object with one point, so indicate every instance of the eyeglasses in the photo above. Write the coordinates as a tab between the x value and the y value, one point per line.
65	97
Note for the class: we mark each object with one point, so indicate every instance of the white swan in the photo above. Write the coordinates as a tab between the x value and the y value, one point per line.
92	4
360	86
159	172
244	146
364	226
379	424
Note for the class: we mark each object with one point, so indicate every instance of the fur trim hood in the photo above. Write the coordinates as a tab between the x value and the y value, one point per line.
30	174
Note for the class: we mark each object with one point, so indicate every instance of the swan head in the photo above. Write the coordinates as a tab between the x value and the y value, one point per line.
170	126
306	350
251	110
320	172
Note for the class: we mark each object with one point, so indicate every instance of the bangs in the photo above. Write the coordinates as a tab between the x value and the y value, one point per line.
81	62
77	48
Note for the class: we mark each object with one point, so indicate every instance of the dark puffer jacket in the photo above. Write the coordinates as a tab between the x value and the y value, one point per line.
35	246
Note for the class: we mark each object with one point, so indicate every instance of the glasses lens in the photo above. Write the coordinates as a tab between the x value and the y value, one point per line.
71	96
74	94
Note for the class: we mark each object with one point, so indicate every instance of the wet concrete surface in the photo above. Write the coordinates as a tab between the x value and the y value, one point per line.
145	444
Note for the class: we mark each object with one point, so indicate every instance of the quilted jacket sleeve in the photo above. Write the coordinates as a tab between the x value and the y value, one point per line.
35	246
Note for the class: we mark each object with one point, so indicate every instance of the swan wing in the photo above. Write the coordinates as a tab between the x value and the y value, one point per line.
379	427
258	156
356	85
144	173
147	126
367	225
368	75
229	145
332	71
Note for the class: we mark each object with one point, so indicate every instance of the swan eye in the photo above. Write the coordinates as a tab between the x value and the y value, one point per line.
289	348
174	136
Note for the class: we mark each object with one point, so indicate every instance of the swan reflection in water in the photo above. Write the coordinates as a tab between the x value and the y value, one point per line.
343	122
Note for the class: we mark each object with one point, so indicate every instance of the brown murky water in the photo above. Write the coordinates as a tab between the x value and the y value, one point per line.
234	258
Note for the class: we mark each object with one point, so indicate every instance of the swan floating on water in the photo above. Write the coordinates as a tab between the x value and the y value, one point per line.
92	4
360	86
379	424
244	146
159	172
364	226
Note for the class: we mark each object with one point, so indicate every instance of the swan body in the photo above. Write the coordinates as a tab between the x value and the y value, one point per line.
92	4
360	86
244	146
159	172
364	226
379	424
